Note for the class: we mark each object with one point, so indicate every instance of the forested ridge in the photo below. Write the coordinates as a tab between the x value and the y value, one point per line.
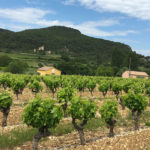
75	50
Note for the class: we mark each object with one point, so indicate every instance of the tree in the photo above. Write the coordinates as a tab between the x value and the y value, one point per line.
82	110
64	96
127	86
17	66
18	86
74	67
104	71
52	83
104	87
5	104
109	112
5	81
137	103
35	86
81	84
91	84
40	64
42	114
137	87
98	59
120	72
117	58
117	88
133	61
65	57
5	60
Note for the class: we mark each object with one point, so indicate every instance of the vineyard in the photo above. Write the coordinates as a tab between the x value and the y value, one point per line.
74	112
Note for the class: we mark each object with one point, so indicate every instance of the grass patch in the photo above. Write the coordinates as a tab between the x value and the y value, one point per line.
62	128
20	136
145	117
121	121
94	124
67	127
147	124
16	137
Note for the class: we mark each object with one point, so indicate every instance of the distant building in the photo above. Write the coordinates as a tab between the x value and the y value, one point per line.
135	74
49	52
48	71
34	50
41	48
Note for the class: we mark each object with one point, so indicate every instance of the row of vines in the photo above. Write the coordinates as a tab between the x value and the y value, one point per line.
46	113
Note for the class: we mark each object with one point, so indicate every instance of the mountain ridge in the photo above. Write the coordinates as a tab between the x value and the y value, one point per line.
56	32
72	48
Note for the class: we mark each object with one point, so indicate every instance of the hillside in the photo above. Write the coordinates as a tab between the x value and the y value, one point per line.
56	39
67	44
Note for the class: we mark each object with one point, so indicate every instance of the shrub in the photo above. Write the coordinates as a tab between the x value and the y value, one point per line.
42	114
5	104
109	112
137	103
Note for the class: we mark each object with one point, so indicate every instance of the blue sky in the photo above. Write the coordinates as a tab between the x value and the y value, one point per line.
123	21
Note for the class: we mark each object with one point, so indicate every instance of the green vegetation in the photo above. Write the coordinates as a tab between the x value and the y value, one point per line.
45	114
42	114
91	85
17	66
18	86
52	83
4	60
109	112
5	104
35	86
104	87
64	96
16	137
82	110
137	103
19	136
70	51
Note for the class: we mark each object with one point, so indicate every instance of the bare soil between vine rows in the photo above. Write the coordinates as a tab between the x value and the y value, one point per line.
96	140
125	138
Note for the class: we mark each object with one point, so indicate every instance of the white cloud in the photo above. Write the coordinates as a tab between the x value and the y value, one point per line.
92	28
26	15
125	40
134	8
31	2
31	17
68	2
15	27
144	52
35	2
89	28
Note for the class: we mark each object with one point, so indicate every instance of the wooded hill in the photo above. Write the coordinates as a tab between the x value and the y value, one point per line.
56	39
73	46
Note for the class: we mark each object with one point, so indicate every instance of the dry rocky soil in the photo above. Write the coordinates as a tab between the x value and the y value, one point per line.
125	137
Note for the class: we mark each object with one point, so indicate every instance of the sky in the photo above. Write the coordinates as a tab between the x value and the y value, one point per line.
125	21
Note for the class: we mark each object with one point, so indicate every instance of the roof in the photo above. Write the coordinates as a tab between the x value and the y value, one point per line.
46	68
137	73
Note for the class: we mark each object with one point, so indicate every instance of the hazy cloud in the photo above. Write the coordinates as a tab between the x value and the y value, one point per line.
31	17
144	52
135	8
26	15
